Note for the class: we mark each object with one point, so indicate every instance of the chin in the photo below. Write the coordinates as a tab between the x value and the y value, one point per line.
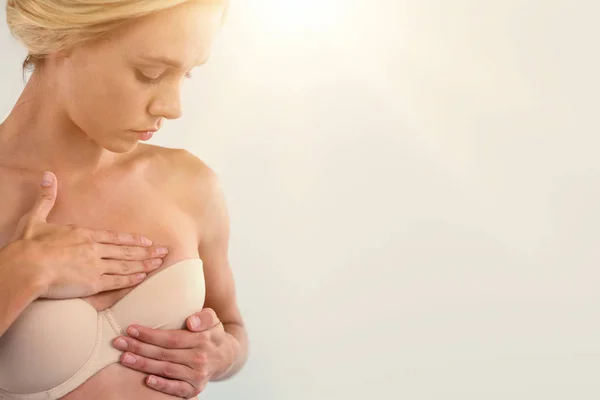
120	146
123	147
116	143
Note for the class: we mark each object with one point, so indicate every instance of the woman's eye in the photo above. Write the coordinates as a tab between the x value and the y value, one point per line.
152	78
147	78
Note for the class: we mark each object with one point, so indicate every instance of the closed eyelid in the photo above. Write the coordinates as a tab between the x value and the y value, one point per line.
152	71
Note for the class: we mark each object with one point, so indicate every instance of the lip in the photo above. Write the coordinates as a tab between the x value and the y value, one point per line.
153	130
146	135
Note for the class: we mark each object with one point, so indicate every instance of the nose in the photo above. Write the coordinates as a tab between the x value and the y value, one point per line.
167	104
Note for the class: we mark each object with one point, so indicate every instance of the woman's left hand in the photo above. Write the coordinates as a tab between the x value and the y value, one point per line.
180	362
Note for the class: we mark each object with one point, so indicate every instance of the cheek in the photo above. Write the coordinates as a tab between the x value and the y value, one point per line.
105	102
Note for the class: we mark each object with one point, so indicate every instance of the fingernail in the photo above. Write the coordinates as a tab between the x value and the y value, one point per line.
146	241
195	322
152	381
162	251
120	344
47	179
141	276
129	359
133	332
157	261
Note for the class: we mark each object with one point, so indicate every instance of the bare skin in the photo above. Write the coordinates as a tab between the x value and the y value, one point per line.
77	118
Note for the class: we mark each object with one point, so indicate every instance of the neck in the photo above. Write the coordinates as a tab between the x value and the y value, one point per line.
39	134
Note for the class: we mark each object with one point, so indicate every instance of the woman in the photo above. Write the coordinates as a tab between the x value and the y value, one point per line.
73	310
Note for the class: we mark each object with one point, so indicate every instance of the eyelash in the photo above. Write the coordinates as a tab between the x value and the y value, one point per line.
145	79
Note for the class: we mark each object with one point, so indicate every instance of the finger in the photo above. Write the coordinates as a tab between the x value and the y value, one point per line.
118	238
112	282
131	253
46	198
203	320
164	369
121	267
174	387
166	338
196	359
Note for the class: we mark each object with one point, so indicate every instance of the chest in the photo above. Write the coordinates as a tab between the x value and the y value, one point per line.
131	206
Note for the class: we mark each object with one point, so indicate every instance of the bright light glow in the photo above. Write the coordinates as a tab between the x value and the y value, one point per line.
301	16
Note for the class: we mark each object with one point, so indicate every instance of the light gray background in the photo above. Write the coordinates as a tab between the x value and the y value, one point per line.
413	188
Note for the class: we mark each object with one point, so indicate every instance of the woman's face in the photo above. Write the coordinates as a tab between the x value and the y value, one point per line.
131	80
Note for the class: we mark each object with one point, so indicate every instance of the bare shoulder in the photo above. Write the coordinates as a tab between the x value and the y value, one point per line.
191	180
176	164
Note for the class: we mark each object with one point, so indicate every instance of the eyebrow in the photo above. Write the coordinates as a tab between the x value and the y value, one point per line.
169	61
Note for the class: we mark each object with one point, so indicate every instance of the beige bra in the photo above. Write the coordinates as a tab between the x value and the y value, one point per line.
56	345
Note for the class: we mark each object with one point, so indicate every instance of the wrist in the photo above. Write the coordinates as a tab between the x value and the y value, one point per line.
20	256
232	352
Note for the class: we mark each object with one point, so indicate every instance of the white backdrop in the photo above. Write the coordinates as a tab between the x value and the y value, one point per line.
413	187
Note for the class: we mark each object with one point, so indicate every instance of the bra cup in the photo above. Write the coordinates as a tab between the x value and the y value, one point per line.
56	345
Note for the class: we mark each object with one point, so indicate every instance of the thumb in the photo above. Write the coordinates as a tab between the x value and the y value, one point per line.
193	322
46	198
202	320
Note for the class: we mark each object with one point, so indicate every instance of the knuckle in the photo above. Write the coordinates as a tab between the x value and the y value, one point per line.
181	391
47	195
124	267
137	239
161	385
126	251
210	312
29	230
113	236
131	280
168	370
141	362
133	346
214	319
199	358
172	341
147	265
165	354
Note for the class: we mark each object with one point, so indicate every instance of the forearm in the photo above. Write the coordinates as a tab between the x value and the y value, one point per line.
239	339
18	287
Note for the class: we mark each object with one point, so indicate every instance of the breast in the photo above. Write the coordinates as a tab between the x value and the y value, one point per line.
56	345
164	300
49	342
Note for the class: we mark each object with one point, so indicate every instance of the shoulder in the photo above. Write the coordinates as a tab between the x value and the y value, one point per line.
184	176
176	166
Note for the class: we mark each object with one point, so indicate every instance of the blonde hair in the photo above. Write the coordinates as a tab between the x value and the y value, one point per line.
45	27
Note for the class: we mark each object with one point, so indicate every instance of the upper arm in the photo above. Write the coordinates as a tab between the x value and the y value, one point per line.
213	248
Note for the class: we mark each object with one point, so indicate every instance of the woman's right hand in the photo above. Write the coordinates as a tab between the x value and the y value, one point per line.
72	262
